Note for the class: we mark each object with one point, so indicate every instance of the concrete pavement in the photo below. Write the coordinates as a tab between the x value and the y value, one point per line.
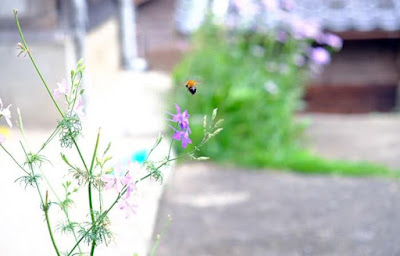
234	212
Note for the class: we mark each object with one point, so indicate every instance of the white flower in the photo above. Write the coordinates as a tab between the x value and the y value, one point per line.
6	113
271	87
63	88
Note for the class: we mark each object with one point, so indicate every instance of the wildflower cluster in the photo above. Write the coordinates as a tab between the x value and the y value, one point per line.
95	173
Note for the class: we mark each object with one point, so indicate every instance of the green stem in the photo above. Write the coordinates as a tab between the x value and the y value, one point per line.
49	228
92	248
45	205
34	64
50	138
158	240
90	192
80	154
63	209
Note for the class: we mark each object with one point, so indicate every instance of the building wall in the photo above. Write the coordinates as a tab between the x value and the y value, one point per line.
362	78
364	62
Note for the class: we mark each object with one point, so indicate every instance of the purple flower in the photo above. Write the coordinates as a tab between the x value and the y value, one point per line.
63	89
6	113
319	55
183	122
181	118
332	40
127	207
183	135
304	29
2	138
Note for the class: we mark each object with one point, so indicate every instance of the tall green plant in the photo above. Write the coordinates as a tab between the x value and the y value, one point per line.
257	85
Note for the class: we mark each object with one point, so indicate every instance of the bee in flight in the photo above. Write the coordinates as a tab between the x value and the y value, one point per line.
191	86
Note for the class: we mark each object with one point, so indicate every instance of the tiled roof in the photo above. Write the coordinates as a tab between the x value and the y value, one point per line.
361	15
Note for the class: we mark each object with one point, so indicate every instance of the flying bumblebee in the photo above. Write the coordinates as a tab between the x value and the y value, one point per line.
191	86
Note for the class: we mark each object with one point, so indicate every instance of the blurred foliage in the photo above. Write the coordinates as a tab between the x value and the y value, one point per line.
257	84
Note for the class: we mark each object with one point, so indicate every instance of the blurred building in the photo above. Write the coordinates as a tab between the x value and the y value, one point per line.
55	31
364	76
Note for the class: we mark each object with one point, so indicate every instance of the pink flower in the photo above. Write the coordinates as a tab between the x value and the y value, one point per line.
2	138
320	56
78	109
130	184
114	180
63	89
6	113
129	208
117	180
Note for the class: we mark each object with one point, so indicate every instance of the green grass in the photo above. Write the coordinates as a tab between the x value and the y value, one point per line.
307	162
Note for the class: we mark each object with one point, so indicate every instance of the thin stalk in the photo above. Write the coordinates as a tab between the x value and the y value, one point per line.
62	208
80	154
46	210
44	205
49	139
158	240
90	191
34	63
152	149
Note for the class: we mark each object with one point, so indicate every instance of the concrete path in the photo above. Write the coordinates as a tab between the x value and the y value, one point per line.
227	211
368	137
